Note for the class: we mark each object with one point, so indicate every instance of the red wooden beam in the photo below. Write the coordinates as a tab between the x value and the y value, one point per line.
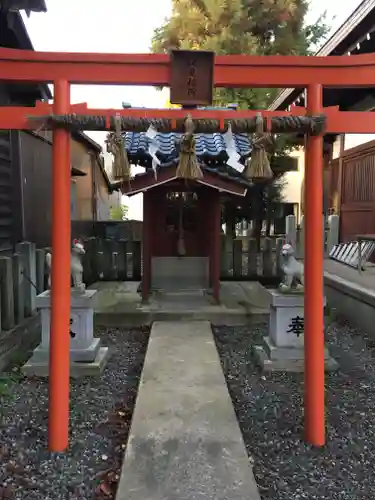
350	122
167	175
154	69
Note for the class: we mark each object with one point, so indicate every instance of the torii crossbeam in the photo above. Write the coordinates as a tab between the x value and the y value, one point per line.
64	69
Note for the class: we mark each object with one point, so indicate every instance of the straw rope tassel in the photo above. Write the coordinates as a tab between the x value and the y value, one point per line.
115	145
188	167
258	165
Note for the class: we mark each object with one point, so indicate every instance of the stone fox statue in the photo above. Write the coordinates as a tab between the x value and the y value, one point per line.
76	267
294	273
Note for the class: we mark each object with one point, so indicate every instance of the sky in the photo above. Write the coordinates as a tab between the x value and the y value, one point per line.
124	26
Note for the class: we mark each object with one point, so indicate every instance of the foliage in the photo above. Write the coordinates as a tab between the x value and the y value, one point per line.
119	213
258	27
253	27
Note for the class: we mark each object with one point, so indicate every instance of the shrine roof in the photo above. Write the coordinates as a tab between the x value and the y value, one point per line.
210	149
208	146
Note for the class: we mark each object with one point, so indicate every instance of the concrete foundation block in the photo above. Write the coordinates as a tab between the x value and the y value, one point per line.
35	367
85	355
287	364
286	359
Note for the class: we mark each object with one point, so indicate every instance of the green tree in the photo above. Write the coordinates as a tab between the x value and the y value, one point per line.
119	213
258	27
253	27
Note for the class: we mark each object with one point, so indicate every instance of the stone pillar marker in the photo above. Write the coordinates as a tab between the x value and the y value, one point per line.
283	349
333	232
291	230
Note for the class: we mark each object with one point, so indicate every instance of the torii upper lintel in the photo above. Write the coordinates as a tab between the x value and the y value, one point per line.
232	71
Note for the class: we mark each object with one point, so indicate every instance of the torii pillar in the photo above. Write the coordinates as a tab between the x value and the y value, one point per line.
314	285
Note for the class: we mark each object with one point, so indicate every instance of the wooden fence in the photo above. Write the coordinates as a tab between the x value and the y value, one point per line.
22	278
240	259
121	260
112	260
23	275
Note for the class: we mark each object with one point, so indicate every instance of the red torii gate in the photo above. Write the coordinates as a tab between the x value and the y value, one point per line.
64	69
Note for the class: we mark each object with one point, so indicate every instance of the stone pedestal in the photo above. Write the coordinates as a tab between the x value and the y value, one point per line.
283	349
87	357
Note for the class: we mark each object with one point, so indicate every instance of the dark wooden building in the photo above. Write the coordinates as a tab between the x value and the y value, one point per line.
26	164
13	34
350	178
90	185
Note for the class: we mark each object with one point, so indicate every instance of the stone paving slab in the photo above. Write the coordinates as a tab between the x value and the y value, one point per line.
185	442
119	304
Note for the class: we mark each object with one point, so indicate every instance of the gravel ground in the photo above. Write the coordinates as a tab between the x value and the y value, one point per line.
270	412
269	409
101	410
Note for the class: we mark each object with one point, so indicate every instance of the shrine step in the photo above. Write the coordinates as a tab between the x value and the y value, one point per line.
185	442
144	316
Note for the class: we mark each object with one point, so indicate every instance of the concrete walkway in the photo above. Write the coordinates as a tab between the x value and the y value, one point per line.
185	442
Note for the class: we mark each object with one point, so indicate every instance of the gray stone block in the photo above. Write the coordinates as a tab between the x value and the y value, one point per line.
171	273
285	364
78	300
37	368
85	355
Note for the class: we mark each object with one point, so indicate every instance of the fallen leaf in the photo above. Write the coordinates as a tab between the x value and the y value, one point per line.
102	473
112	477
105	489
6	492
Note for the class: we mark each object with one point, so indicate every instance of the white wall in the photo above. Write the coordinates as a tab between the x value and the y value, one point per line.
292	189
135	206
351	141
135	203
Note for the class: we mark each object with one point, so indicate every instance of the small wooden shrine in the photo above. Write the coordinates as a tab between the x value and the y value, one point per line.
182	216
185	183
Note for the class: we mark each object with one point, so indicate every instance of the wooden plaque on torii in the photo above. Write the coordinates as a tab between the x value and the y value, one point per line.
192	77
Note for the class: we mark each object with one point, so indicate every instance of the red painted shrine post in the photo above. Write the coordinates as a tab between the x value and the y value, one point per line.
314	319
216	251
146	244
59	368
